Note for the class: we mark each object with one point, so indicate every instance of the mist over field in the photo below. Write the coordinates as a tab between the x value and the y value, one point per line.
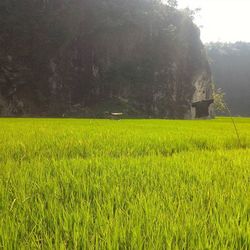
230	68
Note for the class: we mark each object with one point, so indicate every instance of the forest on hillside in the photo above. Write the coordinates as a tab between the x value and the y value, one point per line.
230	67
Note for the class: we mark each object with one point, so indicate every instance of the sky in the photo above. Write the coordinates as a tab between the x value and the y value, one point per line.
221	20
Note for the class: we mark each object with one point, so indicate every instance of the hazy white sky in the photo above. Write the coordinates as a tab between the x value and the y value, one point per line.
222	20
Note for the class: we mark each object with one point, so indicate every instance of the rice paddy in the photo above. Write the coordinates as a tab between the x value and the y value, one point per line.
128	184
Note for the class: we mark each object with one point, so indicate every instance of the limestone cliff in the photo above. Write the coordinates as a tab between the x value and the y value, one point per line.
142	60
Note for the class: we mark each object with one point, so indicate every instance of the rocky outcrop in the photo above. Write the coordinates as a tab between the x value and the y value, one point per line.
147	63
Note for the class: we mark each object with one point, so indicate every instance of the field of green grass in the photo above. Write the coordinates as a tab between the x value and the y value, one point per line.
129	184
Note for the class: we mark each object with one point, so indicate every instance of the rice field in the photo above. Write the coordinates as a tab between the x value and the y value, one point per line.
128	184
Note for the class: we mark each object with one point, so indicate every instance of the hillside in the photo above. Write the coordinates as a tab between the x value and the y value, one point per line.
230	68
88	58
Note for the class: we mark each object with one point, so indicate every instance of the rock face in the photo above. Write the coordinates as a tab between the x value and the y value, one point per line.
147	64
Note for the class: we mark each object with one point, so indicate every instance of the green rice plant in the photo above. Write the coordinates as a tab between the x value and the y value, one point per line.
129	184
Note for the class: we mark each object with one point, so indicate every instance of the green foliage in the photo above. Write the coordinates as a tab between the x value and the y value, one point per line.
219	99
172	3
191	13
129	184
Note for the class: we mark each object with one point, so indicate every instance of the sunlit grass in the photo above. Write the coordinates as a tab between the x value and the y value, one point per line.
129	184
